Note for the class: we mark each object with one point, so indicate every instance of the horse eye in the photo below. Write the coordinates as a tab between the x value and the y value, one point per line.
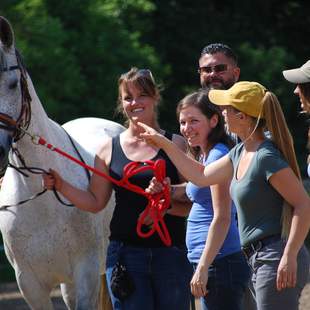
13	84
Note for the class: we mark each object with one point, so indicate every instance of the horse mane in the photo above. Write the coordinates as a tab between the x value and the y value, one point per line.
25	116
20	62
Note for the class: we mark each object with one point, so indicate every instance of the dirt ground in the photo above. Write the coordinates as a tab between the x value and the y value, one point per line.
305	298
10	298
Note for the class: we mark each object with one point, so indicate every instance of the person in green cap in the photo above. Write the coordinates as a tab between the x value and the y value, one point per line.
272	205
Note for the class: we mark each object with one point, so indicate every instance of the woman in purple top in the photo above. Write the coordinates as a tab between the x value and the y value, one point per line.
221	272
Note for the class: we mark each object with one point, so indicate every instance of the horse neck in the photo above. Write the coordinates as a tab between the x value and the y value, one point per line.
39	119
38	156
40	125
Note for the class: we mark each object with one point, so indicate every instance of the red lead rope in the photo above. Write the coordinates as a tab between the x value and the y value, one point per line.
157	203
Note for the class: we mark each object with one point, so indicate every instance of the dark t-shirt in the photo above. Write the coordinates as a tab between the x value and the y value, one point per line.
129	205
259	205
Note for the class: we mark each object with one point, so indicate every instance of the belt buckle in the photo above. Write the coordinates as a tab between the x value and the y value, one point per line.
252	248
247	251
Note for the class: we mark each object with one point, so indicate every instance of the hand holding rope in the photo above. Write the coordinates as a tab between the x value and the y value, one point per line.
157	203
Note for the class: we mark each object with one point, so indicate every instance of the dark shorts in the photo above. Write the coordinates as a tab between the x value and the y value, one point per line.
227	280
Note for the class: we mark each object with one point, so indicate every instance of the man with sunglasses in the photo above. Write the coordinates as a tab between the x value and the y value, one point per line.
218	67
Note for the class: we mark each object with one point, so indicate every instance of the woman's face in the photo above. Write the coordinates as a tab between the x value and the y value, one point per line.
137	104
195	126
232	118
302	99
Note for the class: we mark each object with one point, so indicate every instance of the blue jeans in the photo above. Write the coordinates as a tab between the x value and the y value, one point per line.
264	263
228	278
161	277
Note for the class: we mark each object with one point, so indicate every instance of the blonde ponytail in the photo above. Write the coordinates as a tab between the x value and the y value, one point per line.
281	136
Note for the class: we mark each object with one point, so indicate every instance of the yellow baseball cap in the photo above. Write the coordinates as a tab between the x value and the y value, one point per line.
245	96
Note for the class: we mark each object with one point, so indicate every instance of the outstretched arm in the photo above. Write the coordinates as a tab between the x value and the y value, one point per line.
96	197
217	172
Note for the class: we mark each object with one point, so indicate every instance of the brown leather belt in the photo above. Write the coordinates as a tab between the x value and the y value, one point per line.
255	246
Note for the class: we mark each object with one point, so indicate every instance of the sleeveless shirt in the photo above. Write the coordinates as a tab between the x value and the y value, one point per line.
129	205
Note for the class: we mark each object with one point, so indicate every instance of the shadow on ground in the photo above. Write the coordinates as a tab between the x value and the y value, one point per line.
11	299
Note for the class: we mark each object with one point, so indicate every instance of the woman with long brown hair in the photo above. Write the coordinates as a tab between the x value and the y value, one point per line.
160	274
221	273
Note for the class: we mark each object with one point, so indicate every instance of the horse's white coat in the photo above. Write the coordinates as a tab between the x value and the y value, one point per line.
48	243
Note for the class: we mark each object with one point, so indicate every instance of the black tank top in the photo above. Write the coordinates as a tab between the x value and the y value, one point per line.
129	205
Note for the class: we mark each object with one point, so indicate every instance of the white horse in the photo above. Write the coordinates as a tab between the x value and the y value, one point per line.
46	242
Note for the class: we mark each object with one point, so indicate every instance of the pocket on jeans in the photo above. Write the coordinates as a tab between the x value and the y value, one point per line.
270	253
239	269
180	250
236	258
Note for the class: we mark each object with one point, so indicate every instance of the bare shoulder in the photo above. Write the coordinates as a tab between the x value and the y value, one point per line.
179	141
105	151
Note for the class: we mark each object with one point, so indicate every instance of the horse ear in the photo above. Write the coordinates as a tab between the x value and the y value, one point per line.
6	33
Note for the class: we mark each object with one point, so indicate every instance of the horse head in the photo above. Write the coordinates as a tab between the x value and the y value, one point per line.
46	243
14	95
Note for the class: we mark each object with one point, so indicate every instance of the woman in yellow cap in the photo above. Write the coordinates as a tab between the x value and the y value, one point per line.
273	207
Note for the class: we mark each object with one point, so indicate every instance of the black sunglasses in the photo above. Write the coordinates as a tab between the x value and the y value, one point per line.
216	69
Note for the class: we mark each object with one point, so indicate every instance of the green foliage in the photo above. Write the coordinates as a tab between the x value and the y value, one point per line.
54	72
76	50
125	9
267	36
265	66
